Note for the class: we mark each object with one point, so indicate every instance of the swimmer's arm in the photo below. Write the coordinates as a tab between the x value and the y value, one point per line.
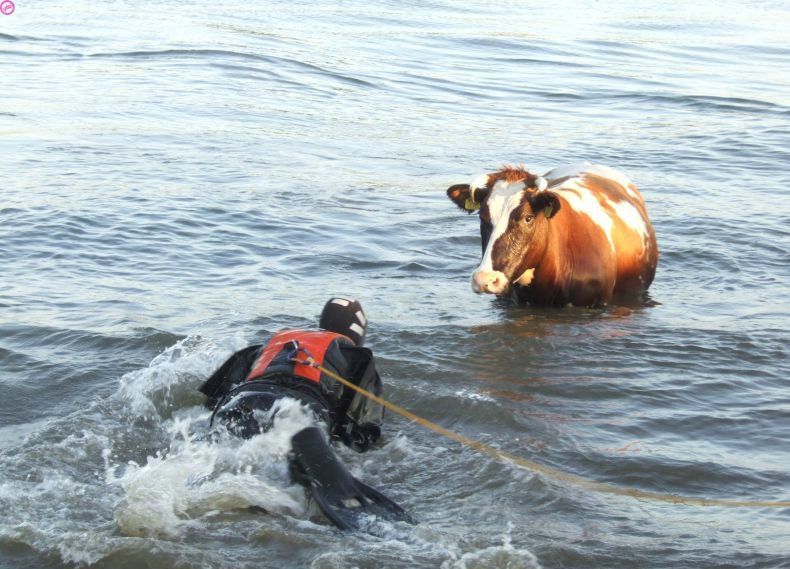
233	371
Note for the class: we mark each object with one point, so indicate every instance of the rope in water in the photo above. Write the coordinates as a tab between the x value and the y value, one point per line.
547	471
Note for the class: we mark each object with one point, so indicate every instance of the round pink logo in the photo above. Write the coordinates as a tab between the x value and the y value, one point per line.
7	7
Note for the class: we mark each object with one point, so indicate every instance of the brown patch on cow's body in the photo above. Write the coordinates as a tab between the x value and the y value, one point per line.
572	265
577	265
637	254
611	189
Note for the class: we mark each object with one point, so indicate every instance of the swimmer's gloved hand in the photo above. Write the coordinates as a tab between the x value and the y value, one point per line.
341	497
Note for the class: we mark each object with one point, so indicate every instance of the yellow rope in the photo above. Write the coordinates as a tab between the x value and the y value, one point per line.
549	471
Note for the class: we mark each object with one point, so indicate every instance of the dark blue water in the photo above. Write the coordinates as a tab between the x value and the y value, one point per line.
181	180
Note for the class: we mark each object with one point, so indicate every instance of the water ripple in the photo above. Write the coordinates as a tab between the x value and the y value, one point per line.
183	181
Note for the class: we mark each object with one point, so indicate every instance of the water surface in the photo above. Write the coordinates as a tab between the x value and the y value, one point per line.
181	180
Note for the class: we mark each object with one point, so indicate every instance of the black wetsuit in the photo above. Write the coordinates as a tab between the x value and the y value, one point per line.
348	416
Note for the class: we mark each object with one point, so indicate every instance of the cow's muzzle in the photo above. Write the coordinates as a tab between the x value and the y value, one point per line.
492	282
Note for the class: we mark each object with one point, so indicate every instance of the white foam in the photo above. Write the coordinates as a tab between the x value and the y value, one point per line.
474	395
504	555
172	491
41	515
82	476
145	392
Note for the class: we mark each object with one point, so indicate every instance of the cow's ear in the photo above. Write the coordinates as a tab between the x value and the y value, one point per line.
546	202
463	196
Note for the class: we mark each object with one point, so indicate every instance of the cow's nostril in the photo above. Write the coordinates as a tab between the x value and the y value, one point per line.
498	282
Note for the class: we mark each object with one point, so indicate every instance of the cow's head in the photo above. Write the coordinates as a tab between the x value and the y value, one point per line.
515	208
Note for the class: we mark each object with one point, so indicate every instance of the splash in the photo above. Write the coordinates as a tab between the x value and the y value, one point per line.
198	475
505	556
169	380
196	478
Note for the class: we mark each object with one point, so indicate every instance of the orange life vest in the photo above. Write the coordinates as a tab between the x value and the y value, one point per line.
314	343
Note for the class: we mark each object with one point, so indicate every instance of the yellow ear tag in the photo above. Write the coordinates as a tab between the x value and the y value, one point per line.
471	205
547	211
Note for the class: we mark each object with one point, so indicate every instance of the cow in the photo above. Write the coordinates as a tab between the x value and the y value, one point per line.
577	235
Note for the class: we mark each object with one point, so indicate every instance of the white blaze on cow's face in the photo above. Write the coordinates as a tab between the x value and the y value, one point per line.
494	218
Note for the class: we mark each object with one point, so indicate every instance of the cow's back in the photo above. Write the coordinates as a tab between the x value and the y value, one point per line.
605	203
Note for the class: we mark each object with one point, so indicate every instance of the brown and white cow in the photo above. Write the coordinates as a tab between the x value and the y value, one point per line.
576	235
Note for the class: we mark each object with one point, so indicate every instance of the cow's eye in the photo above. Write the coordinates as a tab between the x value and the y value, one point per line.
528	218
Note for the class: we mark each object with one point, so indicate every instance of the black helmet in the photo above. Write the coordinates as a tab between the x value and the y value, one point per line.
345	316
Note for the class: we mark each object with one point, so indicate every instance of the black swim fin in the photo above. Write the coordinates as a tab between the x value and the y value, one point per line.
341	497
